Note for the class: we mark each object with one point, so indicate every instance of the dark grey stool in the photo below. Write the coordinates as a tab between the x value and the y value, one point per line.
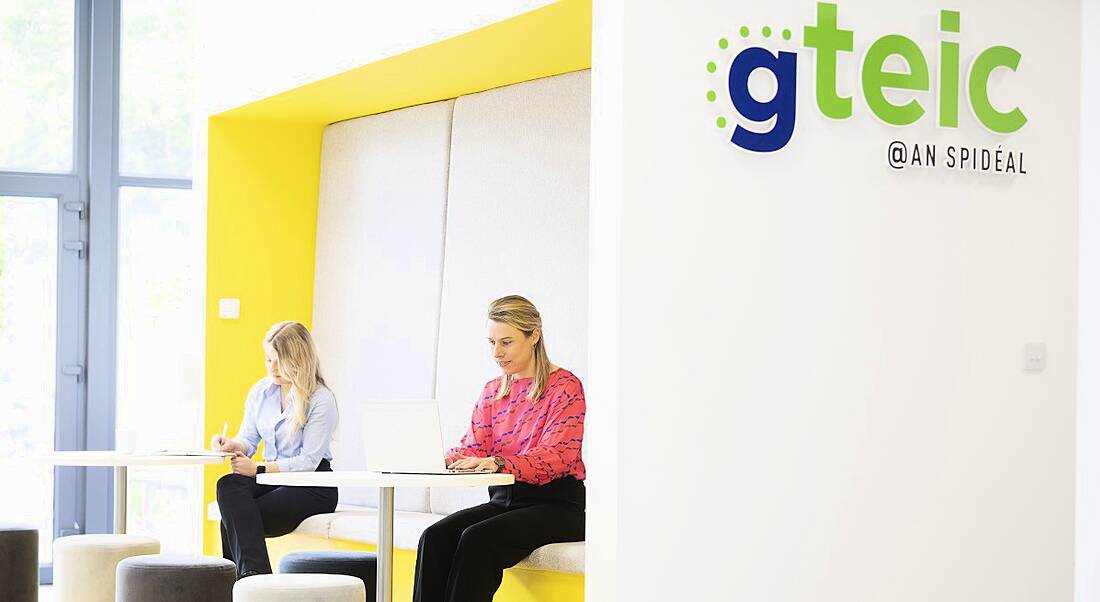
18	563
356	564
175	578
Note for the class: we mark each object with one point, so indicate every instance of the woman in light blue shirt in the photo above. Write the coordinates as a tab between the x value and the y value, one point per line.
294	414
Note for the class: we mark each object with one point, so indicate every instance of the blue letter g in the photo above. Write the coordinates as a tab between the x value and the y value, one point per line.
781	106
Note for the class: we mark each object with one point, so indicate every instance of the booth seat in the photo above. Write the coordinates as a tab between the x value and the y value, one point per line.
358	523
404	201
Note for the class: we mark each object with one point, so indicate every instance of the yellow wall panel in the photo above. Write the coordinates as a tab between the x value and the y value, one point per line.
261	236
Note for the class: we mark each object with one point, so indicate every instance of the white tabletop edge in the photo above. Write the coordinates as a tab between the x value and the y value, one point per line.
117	458
362	478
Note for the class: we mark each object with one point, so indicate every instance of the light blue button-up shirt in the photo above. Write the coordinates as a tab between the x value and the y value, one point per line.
295	449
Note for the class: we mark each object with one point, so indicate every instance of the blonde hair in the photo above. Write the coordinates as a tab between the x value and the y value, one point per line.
297	361
521	314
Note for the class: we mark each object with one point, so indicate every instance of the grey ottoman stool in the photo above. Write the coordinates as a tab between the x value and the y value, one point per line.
18	563
175	578
355	564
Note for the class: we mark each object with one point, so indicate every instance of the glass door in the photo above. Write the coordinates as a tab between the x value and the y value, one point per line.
42	283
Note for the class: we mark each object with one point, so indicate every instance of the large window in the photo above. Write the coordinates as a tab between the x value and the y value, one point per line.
160	339
101	262
160	268
28	356
157	88
36	85
43	266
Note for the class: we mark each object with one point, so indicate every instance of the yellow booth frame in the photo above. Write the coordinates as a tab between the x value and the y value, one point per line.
262	192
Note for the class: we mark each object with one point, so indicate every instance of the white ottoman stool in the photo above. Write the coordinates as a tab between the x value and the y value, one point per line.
298	587
84	565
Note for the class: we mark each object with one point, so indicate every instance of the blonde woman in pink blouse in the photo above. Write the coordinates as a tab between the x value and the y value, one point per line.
528	422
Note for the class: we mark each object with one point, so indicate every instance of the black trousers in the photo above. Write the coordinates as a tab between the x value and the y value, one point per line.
462	557
251	512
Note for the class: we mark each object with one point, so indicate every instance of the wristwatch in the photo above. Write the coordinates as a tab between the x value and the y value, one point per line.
500	463
261	469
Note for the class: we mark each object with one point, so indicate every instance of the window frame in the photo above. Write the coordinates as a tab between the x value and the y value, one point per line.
85	405
104	182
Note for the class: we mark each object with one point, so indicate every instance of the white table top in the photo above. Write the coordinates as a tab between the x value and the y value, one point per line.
362	478
117	458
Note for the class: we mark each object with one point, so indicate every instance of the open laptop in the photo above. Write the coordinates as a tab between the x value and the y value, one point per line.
403	437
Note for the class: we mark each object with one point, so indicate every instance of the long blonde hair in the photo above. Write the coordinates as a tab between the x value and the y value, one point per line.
521	314
297	359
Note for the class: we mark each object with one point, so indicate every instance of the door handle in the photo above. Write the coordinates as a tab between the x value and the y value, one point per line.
74	370
76	245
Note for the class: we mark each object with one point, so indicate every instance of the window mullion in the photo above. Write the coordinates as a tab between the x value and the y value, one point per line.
149	182
102	172
35	184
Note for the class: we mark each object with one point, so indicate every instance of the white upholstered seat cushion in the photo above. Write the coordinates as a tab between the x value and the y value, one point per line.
362	527
561	557
317	525
360	524
448	500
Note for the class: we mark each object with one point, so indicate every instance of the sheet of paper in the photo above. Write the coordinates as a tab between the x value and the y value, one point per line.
191	452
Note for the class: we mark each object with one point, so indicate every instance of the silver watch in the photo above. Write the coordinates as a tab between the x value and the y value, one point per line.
500	463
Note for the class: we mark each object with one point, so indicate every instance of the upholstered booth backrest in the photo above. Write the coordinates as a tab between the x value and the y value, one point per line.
426	215
517	222
379	267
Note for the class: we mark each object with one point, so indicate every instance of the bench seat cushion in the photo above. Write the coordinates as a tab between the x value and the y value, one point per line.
317	525
360	524
448	500
561	557
362	527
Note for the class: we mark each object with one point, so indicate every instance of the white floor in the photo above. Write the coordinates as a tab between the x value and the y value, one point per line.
46	594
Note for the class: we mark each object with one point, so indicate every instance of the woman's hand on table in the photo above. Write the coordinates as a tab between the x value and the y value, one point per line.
222	443
243	465
473	464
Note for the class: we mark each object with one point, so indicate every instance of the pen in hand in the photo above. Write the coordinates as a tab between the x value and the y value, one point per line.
222	441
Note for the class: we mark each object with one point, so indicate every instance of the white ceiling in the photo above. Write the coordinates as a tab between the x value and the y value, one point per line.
251	49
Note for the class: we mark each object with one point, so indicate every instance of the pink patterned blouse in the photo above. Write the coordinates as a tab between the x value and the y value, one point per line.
539	440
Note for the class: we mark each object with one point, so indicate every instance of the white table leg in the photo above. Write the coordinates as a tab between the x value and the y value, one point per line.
385	545
120	499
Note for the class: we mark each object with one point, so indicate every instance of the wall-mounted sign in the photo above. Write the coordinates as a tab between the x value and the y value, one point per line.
773	120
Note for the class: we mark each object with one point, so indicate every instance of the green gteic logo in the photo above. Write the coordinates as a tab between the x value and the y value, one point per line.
774	119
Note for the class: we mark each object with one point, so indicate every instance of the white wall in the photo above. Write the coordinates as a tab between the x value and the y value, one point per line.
1088	378
603	455
821	394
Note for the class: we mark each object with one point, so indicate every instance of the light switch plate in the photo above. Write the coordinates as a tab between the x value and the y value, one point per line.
1035	357
229	309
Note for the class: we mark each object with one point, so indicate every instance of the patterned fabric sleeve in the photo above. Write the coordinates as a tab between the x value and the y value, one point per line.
559	447
478	439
